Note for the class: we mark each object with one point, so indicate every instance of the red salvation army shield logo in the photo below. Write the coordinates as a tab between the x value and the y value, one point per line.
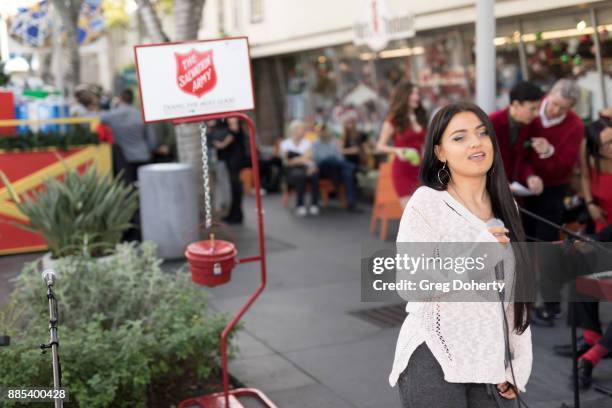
195	72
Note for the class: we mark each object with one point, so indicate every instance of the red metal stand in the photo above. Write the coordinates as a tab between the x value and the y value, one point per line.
229	398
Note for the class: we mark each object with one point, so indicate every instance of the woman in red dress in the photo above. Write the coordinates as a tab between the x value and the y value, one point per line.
405	126
596	172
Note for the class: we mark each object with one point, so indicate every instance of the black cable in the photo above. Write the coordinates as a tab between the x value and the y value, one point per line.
519	399
508	352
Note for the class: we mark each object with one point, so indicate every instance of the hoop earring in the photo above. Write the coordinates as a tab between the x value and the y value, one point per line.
443	169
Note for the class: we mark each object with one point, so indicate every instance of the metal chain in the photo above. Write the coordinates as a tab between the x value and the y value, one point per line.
207	205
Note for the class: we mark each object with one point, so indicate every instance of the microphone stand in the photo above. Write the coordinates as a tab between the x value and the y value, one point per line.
556	226
53	343
574	315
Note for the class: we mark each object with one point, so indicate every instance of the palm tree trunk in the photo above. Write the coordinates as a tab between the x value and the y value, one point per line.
151	21
196	16
187	17
69	12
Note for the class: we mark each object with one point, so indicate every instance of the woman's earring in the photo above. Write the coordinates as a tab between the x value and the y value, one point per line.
445	173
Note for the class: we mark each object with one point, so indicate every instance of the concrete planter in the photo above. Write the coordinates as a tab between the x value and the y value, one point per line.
168	207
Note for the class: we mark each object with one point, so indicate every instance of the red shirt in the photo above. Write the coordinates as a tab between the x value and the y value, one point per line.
565	138
404	175
601	189
511	153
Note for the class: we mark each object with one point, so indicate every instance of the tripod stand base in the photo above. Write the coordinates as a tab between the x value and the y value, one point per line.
218	400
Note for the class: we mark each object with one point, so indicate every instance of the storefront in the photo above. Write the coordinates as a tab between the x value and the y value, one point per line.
322	84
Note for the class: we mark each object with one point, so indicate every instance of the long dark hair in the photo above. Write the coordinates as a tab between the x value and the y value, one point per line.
593	143
502	202
400	107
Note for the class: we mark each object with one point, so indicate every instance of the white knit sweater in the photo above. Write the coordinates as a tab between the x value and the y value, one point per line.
466	338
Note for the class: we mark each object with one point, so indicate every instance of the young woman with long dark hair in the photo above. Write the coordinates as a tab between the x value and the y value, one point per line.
453	354
406	127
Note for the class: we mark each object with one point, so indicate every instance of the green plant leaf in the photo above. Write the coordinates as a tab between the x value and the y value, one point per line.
9	187
80	205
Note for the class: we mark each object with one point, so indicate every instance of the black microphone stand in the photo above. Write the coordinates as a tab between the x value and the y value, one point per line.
53	343
556	226
574	317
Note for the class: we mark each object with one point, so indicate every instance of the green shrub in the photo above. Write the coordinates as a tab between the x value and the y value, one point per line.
82	212
124	324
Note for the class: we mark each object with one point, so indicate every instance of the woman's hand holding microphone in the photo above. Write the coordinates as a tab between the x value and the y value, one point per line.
499	231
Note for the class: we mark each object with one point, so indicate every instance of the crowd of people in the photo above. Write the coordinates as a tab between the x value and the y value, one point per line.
543	144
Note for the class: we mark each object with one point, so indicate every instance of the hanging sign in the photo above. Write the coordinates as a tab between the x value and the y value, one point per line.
182	80
378	25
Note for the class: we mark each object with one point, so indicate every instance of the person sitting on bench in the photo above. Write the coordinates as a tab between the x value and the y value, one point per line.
332	165
296	152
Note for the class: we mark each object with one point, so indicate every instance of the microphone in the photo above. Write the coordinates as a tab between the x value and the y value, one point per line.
495	222
49	276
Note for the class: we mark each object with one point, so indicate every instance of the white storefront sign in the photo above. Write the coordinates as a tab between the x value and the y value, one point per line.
378	25
182	80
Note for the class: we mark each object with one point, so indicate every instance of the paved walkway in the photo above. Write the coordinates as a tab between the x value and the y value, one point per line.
302	345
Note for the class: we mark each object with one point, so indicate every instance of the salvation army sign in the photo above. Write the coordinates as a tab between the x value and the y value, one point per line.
195	72
182	80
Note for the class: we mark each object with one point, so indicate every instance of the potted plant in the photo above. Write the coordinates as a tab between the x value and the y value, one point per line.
84	213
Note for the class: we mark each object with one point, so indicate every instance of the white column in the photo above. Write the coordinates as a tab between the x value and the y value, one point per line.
485	55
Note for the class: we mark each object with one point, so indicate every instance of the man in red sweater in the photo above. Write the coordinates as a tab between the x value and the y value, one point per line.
512	130
552	155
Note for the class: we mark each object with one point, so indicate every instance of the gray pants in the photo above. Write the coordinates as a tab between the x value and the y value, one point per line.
422	385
